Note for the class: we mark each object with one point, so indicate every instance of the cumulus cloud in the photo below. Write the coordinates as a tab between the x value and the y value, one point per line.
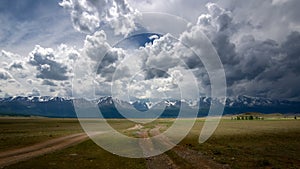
53	69
4	75
149	71
44	61
258	44
16	65
88	15
253	66
99	56
162	54
84	15
96	46
153	71
53	64
42	69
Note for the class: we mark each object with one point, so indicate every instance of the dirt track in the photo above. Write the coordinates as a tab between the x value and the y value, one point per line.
22	154
193	159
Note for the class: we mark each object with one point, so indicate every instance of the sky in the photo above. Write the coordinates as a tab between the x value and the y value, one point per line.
68	48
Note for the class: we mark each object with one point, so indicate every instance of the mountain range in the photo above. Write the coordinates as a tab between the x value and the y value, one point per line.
63	107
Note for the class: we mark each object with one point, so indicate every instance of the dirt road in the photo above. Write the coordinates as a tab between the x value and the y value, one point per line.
25	153
191	158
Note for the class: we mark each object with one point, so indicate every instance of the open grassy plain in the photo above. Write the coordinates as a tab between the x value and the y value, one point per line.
268	143
16	132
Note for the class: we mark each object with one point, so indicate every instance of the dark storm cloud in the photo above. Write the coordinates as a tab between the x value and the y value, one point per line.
255	57
193	62
264	67
219	27
225	49
292	48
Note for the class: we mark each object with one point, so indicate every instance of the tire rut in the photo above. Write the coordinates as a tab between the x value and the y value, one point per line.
193	157
161	161
22	154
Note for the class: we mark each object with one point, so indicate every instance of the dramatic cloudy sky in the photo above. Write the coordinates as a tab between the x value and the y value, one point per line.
48	47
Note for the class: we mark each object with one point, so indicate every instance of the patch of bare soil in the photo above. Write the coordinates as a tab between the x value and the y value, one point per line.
136	127
197	159
161	162
194	158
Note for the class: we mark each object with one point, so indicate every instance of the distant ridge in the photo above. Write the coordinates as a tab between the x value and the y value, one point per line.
63	107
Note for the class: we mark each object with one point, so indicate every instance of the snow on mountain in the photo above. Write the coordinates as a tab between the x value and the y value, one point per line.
149	105
203	101
105	100
63	107
35	99
254	101
172	103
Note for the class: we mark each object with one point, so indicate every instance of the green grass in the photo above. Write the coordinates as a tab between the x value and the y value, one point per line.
20	132
84	155
265	143
251	144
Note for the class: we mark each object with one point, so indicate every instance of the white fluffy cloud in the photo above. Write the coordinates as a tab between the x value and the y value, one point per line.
96	45
45	62
45	71
88	15
84	15
148	71
158	70
257	43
